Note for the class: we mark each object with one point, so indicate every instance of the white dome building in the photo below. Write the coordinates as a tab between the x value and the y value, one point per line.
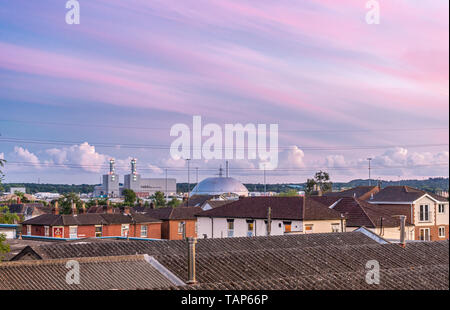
220	186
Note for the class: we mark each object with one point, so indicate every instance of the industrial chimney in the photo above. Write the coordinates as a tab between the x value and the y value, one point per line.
112	169
191	260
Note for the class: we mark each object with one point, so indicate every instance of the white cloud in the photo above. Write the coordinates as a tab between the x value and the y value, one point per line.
23	155
84	155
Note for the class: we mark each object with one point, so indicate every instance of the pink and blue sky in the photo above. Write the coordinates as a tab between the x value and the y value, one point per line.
133	68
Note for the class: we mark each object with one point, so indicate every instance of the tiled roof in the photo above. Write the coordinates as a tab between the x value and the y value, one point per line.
29	208
88	219
103	209
85	248
402	194
357	192
197	200
361	213
417	278
216	203
174	213
96	273
322	261
284	208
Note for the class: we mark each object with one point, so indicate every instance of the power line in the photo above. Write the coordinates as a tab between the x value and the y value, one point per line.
167	147
167	128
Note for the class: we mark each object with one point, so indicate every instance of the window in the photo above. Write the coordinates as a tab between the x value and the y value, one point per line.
46	231
73	232
441	208
335	227
29	230
442	232
424	215
287	227
308	229
125	230
181	228
425	234
250	226
98	231
230	228
143	231
196	228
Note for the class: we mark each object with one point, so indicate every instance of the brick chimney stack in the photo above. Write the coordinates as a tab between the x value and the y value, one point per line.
18	200
126	210
56	208
191	260
83	208
74	209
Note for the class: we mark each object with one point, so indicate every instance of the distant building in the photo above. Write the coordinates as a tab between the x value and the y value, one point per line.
143	187
9	230
360	192
13	190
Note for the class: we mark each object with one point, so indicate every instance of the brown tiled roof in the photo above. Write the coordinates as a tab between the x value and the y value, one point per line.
103	209
174	213
83	248
284	208
29	208
197	200
88	219
402	194
361	213
357	192
96	273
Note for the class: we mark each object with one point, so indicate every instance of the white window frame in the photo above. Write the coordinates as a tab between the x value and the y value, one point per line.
335	227
101	231
29	230
250	233
144	228
309	231
230	232
426	215
428	234
71	234
47	231
125	227
441	211
441	228
181	226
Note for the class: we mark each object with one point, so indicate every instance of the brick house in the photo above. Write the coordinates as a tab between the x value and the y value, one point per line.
249	216
428	212
87	225
177	222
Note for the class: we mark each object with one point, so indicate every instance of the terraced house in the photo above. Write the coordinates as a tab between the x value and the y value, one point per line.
262	216
428	212
86	225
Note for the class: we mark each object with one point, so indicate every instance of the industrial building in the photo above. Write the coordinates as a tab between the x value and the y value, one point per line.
143	187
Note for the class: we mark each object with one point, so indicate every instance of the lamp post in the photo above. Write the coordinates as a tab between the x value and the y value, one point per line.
369	159
189	180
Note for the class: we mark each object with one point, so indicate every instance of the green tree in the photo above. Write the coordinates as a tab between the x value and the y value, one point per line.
159	199
7	217
321	181
4	247
65	203
174	202
129	197
289	193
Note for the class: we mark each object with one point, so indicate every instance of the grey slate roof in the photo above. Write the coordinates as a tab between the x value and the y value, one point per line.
86	248
96	273
402	194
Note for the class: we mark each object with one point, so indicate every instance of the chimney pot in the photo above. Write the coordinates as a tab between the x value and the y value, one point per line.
402	230
74	209
56	208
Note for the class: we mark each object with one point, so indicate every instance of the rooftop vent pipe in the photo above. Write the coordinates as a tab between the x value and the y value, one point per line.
191	260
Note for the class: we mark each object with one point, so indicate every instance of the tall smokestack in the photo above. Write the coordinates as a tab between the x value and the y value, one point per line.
112	169
191	260
133	166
